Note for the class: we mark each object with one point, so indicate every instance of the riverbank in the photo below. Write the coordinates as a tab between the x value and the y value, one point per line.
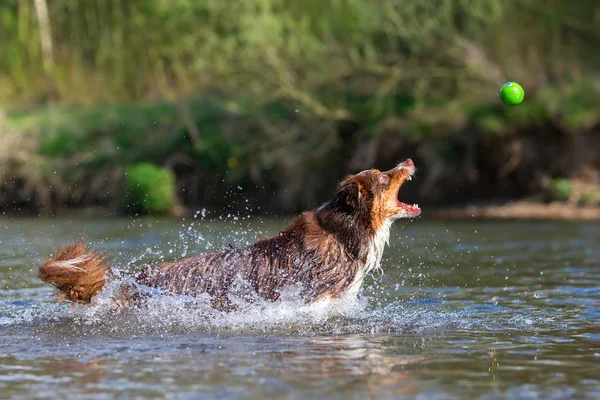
520	210
512	210
225	155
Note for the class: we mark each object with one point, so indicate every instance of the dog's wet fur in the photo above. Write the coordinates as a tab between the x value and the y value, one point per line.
327	252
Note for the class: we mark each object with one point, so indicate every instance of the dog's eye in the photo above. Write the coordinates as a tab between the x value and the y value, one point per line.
383	179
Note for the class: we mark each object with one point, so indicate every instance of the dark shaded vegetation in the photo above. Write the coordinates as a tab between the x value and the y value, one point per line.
282	98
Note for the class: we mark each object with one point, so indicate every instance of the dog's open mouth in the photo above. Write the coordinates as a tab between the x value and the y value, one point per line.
414	209
410	210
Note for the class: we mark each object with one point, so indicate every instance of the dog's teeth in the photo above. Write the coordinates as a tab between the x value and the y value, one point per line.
409	178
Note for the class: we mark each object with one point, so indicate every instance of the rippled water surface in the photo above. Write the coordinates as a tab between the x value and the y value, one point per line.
463	310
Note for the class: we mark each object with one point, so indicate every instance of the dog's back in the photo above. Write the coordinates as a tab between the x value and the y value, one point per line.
304	254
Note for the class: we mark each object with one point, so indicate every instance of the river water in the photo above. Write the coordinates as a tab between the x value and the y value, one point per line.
462	310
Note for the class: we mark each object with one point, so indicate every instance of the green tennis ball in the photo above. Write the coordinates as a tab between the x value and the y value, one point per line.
511	93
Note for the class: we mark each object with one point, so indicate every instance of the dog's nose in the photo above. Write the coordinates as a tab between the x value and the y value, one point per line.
408	163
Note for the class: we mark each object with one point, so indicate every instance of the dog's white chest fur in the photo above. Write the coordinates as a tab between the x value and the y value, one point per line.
376	247
372	259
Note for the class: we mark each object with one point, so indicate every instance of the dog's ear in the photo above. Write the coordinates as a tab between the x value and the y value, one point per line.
349	192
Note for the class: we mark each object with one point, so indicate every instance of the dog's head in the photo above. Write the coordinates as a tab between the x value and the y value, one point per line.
377	192
367	201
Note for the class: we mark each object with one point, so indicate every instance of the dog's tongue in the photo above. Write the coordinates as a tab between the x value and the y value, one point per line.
410	208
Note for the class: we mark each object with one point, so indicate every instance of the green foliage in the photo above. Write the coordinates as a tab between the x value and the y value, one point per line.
151	188
127	132
280	85
308	52
561	189
359	60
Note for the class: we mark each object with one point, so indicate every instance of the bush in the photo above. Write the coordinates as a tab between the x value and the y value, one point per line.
151	188
561	189
590	197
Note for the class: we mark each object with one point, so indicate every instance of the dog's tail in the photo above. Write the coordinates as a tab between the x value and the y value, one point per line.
77	273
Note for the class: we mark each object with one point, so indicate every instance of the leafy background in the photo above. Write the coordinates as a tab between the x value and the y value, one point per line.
282	98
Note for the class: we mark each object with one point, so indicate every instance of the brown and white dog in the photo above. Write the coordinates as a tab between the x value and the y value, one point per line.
327	252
